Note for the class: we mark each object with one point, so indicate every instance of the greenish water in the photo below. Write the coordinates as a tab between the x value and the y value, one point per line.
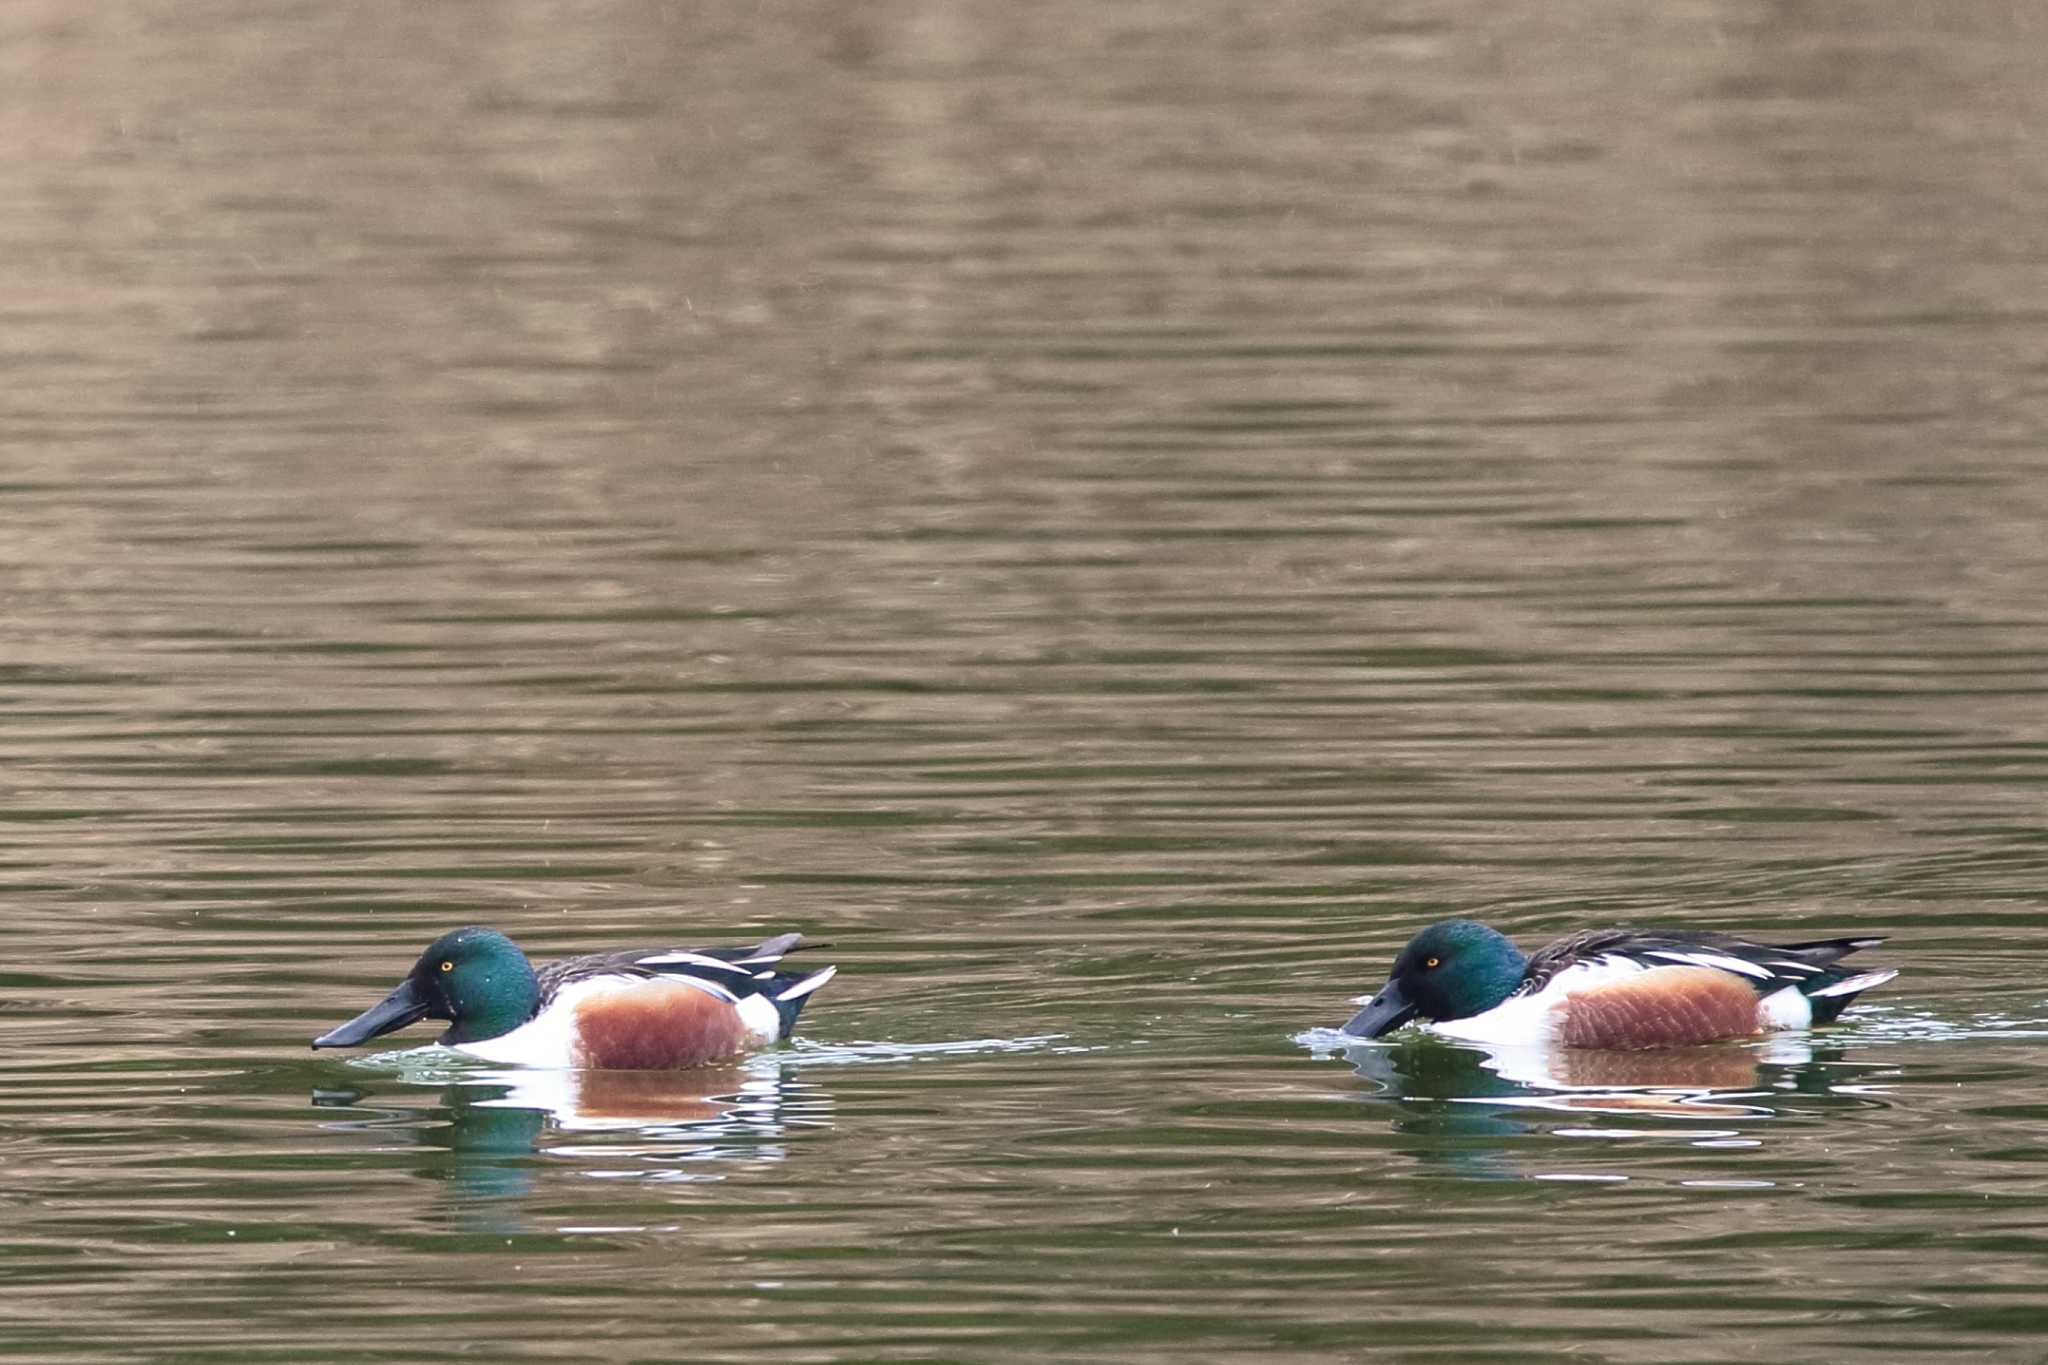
1110	517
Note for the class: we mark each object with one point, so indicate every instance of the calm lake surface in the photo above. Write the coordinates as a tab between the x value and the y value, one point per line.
1109	516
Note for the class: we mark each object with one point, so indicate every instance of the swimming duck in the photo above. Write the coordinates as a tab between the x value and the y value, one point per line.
640	1009
1611	988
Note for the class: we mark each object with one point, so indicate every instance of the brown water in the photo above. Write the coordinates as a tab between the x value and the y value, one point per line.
1112	516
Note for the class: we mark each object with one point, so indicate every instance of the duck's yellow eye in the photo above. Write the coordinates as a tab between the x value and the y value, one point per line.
450	966
1429	963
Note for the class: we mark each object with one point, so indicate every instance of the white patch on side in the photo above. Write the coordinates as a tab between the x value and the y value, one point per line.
1533	1018
760	1018
1786	1008
1858	983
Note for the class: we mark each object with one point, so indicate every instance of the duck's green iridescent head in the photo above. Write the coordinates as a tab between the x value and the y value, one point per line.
475	978
1451	970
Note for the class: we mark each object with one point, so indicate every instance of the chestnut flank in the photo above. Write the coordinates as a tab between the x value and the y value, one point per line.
659	1026
1663	1007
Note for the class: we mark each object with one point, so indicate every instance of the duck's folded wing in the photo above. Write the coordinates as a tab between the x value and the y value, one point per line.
1767	967
1585	946
737	972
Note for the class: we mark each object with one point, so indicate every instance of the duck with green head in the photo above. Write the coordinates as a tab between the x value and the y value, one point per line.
1611	988
644	1008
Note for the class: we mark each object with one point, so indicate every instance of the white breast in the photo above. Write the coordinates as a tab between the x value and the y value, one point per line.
1532	1018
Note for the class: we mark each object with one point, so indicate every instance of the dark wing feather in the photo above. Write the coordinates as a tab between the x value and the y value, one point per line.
1821	951
1553	958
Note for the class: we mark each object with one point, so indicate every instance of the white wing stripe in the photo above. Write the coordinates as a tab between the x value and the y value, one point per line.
1740	966
689	960
1717	961
808	984
1857	983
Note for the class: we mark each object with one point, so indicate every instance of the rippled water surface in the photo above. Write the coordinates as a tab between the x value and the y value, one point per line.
1108	516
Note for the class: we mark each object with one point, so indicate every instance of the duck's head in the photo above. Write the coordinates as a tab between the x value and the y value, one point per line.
477	979
1451	970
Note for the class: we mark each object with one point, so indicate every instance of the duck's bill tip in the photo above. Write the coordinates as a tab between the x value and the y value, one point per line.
1382	1014
403	1006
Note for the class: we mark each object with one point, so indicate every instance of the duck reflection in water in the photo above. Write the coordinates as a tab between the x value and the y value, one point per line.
1694	1082
1464	1099
493	1133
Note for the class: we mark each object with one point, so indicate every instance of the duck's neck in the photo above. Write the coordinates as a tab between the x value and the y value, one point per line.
1491	968
1497	982
509	997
